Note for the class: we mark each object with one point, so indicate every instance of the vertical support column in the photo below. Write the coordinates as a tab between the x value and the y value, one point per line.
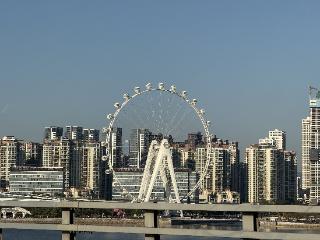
151	221
67	219
249	222
1	234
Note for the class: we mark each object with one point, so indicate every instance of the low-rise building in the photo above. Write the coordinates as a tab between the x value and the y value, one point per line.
224	197
128	181
28	180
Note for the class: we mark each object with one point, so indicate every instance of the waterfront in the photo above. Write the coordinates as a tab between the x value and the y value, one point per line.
55	235
12	234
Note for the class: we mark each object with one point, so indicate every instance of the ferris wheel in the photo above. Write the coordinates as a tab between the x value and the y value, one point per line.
158	153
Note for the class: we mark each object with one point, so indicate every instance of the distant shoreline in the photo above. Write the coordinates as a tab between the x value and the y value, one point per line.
137	222
289	225
87	221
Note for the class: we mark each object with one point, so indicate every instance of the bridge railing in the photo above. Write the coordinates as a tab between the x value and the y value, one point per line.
151	228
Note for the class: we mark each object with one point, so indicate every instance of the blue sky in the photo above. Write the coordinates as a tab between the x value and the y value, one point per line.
248	62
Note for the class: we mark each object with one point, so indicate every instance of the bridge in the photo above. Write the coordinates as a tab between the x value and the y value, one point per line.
151	228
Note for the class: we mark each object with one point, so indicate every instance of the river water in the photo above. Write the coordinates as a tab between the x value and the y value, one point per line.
11	234
56	235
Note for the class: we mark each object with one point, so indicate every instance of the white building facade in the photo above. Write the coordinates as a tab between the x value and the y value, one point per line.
28	180
271	170
10	156
310	148
305	152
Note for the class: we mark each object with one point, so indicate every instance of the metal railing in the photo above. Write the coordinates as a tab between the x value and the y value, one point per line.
151	228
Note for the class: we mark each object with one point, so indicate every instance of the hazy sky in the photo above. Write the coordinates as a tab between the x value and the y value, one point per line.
248	62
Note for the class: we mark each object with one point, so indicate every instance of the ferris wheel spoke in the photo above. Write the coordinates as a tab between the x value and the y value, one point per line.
173	119
150	109
159	108
130	120
178	123
138	116
168	111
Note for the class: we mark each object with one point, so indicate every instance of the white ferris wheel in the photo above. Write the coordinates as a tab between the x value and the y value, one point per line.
159	159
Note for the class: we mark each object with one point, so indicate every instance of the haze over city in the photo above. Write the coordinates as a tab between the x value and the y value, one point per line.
249	64
171	119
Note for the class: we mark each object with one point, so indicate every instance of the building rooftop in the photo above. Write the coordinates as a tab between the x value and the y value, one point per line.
30	168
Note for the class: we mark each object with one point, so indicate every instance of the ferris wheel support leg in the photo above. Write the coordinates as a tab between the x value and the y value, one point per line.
147	171
165	181
173	178
154	174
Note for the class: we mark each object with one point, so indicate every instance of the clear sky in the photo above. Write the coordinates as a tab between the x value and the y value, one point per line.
248	62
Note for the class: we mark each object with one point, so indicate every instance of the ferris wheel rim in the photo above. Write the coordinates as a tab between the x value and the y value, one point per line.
138	92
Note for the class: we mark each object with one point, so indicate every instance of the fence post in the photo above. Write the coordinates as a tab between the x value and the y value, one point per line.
151	221
67	218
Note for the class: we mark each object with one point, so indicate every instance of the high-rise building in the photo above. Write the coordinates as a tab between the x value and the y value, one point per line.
262	160
116	148
271	170
32	153
200	157
84	166
53	133
78	153
183	153
314	152
279	137
305	151
176	157
267	141
299	189
234	154
74	133
90	167
186	157
70	156
289	178
91	135
75	168
57	153
243	182
310	148
223	172
11	155
194	140
220	173
138	147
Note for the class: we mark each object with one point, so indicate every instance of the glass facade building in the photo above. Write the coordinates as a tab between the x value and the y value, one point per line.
28	180
130	181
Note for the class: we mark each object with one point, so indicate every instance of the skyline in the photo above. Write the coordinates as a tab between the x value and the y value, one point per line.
39	139
249	64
